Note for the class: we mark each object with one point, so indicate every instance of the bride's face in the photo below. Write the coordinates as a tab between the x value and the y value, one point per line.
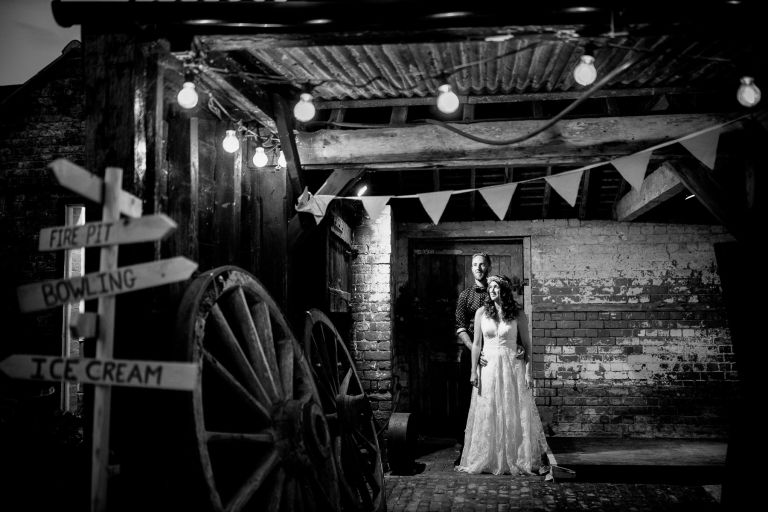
493	291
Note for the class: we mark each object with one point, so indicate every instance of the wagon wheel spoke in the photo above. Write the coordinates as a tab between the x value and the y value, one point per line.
291	496
285	356
332	356
243	327
366	464
365	442
234	351
276	490
238	388
244	494
358	472
264	437
322	366
260	315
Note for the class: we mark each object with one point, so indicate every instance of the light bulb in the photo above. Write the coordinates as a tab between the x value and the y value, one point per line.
187	96
362	190
447	101
304	110
230	142
585	73
260	158
281	159
748	93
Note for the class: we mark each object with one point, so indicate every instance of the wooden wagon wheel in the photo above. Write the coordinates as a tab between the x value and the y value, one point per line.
349	415
261	435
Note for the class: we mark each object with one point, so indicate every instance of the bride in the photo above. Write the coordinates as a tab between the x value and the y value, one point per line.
504	432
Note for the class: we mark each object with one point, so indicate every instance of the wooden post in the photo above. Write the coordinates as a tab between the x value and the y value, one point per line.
104	348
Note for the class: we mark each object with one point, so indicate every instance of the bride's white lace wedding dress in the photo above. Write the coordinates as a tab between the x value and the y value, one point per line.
504	432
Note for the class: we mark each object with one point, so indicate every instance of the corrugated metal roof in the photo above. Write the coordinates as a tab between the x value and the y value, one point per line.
509	67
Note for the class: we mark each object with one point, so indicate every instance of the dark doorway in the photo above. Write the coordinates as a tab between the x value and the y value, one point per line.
439	270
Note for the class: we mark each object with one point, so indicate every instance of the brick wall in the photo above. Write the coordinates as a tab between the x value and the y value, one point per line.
371	310
43	121
629	329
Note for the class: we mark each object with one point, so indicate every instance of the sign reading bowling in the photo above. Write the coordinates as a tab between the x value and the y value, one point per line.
57	292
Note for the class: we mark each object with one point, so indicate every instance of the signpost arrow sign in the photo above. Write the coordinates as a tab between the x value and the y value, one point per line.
96	234
57	292
90	186
123	372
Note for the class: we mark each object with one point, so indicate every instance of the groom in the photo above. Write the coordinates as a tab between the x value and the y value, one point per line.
468	303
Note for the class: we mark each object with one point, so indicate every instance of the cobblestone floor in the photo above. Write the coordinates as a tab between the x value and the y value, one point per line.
438	488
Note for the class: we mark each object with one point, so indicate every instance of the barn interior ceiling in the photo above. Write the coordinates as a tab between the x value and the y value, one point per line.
374	69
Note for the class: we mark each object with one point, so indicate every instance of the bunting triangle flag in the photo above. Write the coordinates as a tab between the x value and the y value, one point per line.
374	205
498	198
434	203
567	185
632	168
704	147
321	205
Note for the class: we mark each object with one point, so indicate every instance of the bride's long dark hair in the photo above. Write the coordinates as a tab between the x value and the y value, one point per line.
509	306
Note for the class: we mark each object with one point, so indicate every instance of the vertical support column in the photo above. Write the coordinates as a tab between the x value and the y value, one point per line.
102	399
272	194
182	201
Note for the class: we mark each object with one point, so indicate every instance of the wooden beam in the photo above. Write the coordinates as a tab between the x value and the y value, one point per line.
337	183
337	115
700	180
398	116
660	185
572	142
547	195
217	83
468	112
584	194
284	120
472	184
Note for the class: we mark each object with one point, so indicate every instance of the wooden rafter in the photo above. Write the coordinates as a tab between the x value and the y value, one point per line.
658	187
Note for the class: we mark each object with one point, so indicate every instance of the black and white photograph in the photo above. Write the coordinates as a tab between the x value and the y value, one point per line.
382	255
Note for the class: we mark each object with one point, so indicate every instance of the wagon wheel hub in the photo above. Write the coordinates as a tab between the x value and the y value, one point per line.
304	434
353	409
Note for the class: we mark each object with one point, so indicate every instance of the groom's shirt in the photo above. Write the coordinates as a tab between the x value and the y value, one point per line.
469	302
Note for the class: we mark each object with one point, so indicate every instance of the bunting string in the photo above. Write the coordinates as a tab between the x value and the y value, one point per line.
702	144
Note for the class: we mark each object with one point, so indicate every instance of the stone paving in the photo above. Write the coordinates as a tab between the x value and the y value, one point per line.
438	488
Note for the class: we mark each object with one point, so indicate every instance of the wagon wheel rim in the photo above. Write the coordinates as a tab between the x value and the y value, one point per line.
263	441
348	411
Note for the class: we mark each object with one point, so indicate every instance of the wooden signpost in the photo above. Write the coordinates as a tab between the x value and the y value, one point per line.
103	371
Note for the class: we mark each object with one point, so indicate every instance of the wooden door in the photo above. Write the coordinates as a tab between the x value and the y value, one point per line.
439	271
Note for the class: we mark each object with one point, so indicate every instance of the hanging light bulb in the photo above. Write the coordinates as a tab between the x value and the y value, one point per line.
260	158
585	73
304	110
281	159
187	96
230	142
748	93
447	101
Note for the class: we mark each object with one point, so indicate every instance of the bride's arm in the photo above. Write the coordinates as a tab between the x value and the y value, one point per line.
525	337
477	346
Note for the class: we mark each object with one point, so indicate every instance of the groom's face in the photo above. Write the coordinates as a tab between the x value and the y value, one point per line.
480	268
